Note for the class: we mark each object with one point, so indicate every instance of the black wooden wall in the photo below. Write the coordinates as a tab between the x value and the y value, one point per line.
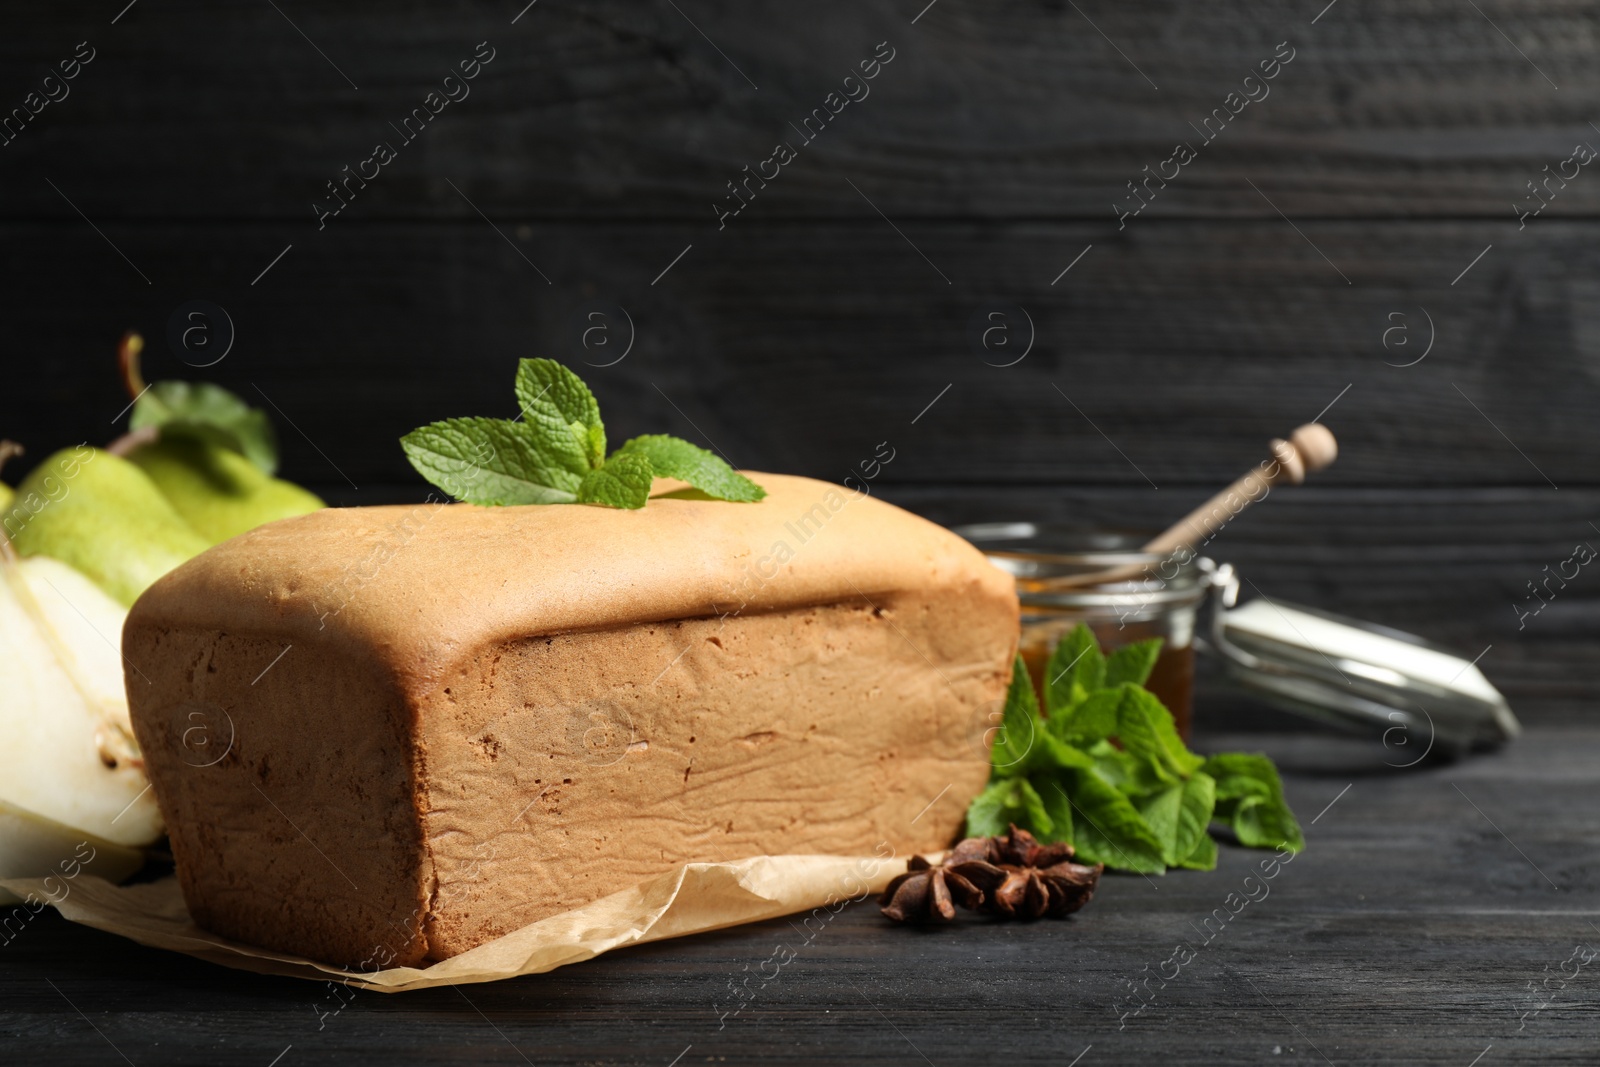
1361	210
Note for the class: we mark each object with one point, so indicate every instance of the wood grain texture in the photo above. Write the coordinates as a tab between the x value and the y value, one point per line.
1408	932
613	110
1169	355
1398	143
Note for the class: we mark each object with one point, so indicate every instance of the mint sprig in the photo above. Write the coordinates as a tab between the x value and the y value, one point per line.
555	453
1142	802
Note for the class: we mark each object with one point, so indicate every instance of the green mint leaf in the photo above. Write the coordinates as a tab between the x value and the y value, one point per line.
1194	815
1057	806
1091	719
1051	753
990	810
1107	828
1035	817
1115	766
1076	669
1010	800
1139	721
1023	744
1250	800
557	403
1204	856
1243	774
1132	776
673	457
1146	729
1132	663
624	482
489	461
1160	813
1179	815
209	411
1020	726
1262	823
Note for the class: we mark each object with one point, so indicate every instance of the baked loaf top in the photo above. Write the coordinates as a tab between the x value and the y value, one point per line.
422	586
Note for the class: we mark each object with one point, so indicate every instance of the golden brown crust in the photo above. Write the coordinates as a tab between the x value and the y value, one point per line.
427	584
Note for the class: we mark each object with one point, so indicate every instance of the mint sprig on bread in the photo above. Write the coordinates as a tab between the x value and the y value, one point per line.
555	452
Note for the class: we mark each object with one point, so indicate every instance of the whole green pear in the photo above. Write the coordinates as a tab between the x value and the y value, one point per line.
218	491
103	516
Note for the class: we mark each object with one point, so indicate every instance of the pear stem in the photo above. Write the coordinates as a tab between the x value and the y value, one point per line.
132	440
128	350
9	449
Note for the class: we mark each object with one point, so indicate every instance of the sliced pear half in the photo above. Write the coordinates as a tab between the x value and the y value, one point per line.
32	846
66	746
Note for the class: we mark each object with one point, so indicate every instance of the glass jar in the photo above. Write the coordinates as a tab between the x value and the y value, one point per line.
1067	575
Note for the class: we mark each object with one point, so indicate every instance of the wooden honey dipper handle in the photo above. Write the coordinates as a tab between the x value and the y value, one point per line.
1310	448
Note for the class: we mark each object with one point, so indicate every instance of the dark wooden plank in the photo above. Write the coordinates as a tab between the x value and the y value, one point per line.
1407	932
1168	356
610	110
806	332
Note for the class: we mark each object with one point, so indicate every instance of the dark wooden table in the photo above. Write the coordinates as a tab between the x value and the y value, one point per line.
1433	918
1377	190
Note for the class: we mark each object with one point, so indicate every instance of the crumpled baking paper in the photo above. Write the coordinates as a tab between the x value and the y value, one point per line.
692	899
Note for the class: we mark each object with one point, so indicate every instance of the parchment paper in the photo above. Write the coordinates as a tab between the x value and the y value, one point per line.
692	899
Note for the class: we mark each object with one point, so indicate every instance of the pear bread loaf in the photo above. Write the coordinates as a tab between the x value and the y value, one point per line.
387	735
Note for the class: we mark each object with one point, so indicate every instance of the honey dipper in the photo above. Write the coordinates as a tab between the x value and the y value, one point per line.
1310	448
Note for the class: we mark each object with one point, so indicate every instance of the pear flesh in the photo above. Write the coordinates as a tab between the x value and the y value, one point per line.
32	846
105	517
68	754
219	492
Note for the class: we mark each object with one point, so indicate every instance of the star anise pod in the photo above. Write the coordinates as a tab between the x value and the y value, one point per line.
926	893
1012	876
1037	880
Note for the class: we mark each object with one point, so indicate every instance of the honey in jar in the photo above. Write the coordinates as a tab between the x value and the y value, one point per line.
1144	595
